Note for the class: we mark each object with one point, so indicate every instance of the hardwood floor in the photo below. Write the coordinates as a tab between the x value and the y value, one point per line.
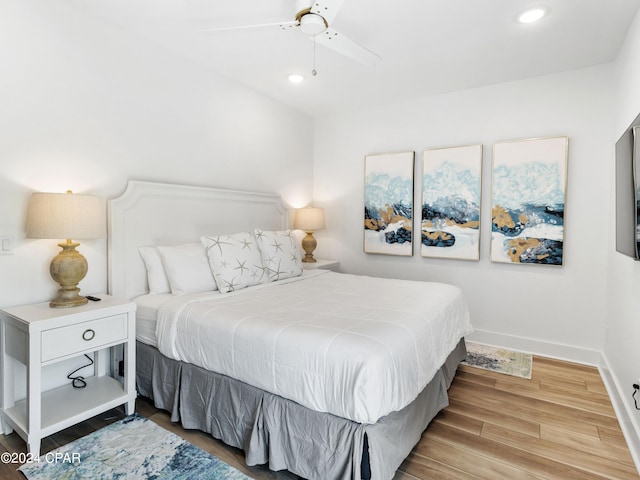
558	425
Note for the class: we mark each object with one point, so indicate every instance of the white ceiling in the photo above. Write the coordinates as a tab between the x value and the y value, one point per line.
427	46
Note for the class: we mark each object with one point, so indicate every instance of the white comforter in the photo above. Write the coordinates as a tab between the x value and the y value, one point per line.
354	346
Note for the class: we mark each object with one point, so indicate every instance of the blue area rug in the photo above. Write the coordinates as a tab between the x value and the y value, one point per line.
133	448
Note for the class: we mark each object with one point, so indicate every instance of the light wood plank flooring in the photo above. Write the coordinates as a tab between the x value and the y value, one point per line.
558	425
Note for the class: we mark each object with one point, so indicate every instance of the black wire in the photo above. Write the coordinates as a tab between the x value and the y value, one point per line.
635	400
79	381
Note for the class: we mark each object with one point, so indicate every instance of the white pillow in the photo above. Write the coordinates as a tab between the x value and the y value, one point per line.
156	276
280	254
235	261
187	268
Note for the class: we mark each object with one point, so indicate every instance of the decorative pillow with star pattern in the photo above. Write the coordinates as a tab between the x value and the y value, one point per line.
235	261
280	254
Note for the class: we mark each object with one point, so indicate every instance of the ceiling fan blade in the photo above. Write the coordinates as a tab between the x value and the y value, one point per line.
337	42
287	24
327	9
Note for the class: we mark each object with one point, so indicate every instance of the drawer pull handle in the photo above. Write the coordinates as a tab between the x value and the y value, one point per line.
88	334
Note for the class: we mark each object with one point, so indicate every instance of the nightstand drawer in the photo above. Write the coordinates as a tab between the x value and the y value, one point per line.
63	341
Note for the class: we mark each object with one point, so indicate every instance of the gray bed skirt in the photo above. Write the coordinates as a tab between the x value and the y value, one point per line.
282	434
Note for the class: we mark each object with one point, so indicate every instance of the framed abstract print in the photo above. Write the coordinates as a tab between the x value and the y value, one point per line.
451	193
388	203
528	201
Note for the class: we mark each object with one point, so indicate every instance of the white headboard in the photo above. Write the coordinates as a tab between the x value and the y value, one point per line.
150	213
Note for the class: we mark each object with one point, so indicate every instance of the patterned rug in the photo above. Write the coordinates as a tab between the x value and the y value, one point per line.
133	448
499	360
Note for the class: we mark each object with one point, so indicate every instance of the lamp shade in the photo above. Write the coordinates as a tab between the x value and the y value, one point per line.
309	219
66	216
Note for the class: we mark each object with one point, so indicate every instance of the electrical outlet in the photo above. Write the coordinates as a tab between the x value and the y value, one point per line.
117	362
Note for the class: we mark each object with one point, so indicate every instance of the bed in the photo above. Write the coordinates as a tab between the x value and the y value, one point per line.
324	374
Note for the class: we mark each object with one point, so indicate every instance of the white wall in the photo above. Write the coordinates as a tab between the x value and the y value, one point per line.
586	311
622	348
86	106
527	305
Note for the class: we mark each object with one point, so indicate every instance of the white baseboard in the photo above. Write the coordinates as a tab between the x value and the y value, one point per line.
629	426
537	347
626	417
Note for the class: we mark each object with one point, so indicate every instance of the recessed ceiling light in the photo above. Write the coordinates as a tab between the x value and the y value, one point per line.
296	78
531	16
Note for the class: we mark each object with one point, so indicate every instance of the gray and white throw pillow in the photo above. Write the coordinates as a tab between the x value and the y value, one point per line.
280	253
235	261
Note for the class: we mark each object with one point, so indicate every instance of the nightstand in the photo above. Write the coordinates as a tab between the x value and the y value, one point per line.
37	336
322	264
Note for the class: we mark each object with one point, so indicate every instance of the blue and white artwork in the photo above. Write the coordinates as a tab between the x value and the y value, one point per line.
528	200
451	191
388	203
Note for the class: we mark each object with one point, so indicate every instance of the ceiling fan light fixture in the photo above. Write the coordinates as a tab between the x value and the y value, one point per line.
296	78
532	15
312	24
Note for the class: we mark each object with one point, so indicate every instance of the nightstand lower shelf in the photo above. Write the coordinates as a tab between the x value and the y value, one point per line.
65	406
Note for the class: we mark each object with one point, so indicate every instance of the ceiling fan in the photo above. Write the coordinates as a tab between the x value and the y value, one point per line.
314	18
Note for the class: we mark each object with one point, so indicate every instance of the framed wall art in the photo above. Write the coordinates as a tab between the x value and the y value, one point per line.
528	201
451	193
388	203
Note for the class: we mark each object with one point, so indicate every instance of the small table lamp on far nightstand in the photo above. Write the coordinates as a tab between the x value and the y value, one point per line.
309	219
68	216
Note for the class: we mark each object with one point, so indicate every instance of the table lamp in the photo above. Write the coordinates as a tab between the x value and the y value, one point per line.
309	219
68	216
